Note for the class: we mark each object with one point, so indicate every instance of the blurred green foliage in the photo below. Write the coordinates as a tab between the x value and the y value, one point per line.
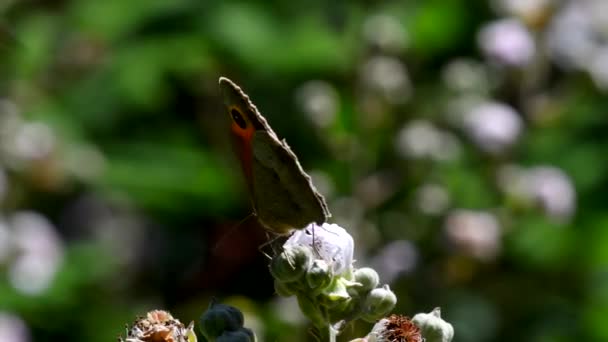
112	128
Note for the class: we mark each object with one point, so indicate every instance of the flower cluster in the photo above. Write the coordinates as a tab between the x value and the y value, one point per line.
315	265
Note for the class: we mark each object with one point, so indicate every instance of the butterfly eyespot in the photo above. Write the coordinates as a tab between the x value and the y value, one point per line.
238	118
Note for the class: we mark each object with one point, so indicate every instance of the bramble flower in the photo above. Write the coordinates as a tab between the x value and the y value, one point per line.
332	243
316	265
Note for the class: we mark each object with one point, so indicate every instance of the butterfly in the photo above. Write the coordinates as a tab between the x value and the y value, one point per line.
282	194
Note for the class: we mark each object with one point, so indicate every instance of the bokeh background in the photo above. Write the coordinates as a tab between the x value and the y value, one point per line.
463	144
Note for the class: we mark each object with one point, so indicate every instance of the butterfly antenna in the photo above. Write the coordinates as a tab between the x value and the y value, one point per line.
270	242
230	232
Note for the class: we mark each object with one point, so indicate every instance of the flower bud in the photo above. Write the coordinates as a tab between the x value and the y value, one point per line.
319	275
220	318
368	278
433	327
378	303
291	263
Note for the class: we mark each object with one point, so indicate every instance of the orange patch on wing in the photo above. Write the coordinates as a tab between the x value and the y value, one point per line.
243	139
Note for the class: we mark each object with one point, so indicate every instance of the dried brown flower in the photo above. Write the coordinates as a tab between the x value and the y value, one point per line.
159	326
400	329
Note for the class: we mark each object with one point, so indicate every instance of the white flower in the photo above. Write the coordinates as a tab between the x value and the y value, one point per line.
421	139
320	101
571	39
554	190
493	126
385	32
387	76
13	328
332	243
475	233
507	41
394	259
466	75
548	186
40	252
432	199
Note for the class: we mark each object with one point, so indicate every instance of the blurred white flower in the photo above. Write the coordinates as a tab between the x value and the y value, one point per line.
34	233
493	126
571	39
33	140
385	32
84	161
420	139
475	233
597	13
348	211
319	100
332	242
388	77
39	252
548	186
32	274
394	259
376	188
432	199
466	75
507	41
13	328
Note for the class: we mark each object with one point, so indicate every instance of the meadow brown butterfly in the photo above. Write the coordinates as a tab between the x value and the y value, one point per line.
282	194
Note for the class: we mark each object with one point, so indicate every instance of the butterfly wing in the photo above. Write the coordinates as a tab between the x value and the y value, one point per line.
284	194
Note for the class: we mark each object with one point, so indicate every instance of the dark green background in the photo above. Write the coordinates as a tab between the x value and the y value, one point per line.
148	199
